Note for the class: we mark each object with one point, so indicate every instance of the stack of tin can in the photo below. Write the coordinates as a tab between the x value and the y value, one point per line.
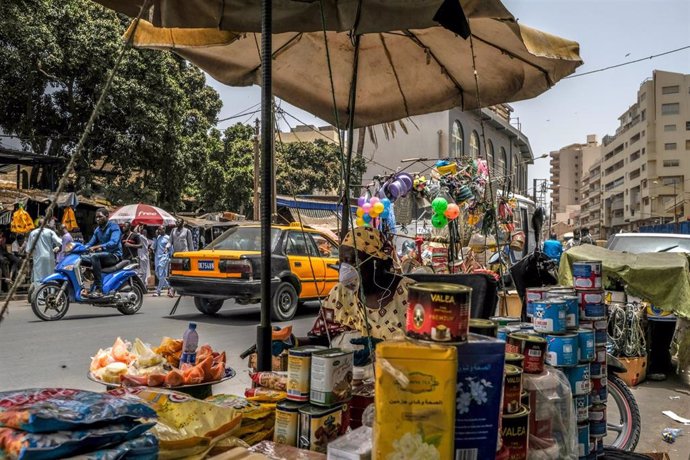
318	393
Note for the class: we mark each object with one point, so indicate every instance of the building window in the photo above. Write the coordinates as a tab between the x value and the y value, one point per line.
644	166
670	146
474	145
671	163
668	128
643	96
687	144
687	125
670	109
490	160
643	115
457	136
675	89
502	162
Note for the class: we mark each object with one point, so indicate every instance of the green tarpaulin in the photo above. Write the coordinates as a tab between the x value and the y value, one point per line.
660	278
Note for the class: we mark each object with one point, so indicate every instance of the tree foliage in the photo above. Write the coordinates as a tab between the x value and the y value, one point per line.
151	135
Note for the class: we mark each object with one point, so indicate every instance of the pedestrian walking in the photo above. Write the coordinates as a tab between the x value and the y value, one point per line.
575	240
131	242
144	263
66	238
161	259
180	241
44	252
585	237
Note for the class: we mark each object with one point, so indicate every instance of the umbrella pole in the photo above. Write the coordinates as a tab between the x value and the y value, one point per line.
346	213
263	331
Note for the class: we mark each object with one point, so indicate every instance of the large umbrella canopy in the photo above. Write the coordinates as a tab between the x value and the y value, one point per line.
399	73
142	214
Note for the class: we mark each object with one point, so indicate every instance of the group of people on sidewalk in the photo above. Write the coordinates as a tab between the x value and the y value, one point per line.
109	245
554	248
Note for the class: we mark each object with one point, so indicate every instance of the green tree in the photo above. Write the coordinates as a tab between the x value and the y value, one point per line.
303	168
227	179
152	135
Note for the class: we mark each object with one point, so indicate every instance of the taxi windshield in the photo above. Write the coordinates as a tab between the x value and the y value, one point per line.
242	239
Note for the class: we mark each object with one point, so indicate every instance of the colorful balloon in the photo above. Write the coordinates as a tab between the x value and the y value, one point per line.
385	214
439	221
360	222
366	218
366	207
452	212
360	212
439	205
374	200
379	207
361	200
386	203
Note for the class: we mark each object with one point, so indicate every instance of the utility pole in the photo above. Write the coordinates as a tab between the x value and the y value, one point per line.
257	212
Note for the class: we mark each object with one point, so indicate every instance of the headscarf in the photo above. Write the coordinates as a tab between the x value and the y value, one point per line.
367	240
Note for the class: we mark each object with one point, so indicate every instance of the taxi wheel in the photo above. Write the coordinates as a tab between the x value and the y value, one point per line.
284	302
207	306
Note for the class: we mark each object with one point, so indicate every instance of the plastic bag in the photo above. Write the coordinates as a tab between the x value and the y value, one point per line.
142	448
186	426
42	410
272	380
21	445
552	420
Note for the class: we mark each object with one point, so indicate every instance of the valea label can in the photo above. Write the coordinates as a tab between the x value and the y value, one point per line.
438	312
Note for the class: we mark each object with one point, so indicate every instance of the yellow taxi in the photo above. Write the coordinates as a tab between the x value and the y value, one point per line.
303	268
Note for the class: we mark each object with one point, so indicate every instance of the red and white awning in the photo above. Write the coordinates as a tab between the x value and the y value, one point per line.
142	214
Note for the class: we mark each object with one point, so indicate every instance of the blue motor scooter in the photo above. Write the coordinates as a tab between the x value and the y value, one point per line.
122	288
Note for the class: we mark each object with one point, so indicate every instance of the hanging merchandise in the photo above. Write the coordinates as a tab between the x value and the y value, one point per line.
69	220
21	221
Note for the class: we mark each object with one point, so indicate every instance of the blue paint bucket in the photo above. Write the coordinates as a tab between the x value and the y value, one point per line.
504	331
578	376
561	350
582	404
585	345
594	311
532	295
597	421
572	315
600	333
549	316
583	439
526	327
599	390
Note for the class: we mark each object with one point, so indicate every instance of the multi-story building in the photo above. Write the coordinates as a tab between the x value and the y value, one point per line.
454	134
645	165
570	182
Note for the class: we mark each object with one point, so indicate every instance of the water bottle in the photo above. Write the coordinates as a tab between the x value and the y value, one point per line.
190	341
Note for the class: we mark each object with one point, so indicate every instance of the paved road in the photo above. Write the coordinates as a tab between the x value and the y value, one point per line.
36	353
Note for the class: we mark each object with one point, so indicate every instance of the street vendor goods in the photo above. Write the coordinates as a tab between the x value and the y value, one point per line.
45	410
287	422
512	389
561	349
533	348
438	312
21	445
415	400
483	327
273	380
331	377
186	426
587	274
299	372
318	426
137	364
550	316
480	378
515	433
257	418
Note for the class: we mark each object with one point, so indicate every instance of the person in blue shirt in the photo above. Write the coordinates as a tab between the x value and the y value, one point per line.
105	249
553	248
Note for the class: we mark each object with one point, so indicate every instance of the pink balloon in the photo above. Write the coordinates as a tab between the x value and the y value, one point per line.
366	207
374	200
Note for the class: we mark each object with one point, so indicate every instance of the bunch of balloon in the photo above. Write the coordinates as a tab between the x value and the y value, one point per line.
369	211
443	212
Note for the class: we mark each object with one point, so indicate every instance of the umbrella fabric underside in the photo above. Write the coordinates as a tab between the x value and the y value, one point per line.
401	73
142	214
362	16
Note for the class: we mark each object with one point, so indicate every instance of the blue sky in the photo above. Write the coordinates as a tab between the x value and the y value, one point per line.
609	32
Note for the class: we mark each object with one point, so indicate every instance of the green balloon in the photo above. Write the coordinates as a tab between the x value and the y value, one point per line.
439	221
439	205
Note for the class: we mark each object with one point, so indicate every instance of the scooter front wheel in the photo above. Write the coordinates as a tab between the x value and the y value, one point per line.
50	302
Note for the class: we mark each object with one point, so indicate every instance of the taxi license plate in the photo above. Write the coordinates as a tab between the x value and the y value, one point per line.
206	265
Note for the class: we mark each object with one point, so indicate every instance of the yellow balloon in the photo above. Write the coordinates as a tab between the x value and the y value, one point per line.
379	207
373	213
360	222
360	212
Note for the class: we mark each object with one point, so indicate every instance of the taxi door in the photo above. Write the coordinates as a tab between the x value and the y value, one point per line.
301	253
328	252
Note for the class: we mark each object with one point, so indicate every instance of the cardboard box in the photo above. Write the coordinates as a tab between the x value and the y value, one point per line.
637	370
509	306
480	373
279	362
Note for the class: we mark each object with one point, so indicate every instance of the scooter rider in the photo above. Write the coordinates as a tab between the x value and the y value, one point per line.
105	249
